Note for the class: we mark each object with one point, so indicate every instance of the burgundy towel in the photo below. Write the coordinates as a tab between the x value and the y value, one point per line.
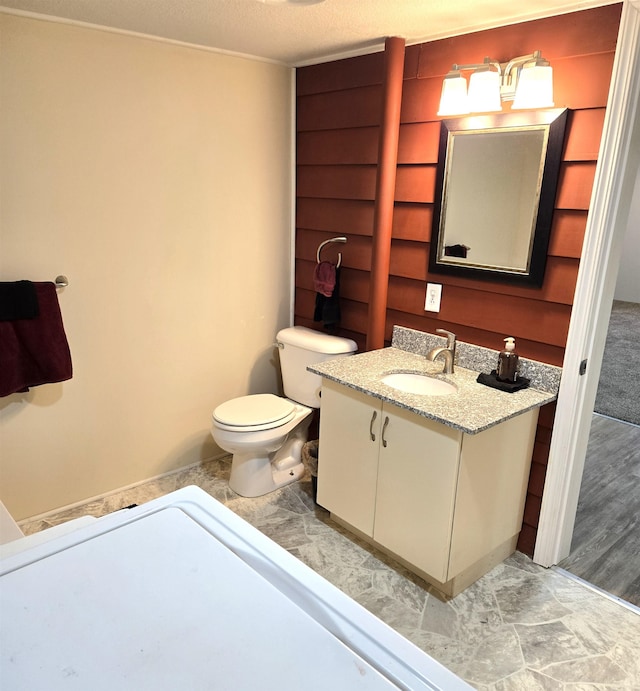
324	278
18	300
34	351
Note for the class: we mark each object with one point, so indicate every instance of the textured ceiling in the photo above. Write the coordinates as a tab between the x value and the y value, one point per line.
298	34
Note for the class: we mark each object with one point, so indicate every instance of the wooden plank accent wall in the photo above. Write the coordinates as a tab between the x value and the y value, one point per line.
338	118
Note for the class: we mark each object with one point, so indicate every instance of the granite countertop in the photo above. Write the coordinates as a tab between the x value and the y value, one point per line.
472	409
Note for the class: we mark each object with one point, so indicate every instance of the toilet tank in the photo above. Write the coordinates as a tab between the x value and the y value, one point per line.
300	347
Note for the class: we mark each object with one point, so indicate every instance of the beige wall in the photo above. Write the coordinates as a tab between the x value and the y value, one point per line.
157	178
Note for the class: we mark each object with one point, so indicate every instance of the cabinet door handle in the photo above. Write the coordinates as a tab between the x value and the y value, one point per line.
384	427
373	419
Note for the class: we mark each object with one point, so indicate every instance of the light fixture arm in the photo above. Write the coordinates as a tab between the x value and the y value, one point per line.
477	66
512	72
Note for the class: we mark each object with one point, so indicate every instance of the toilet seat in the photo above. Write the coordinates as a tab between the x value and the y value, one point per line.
254	413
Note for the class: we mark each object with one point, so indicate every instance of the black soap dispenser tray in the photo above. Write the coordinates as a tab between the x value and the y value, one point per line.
492	380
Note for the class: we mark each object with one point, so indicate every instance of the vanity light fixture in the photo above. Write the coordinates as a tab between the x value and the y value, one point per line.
526	80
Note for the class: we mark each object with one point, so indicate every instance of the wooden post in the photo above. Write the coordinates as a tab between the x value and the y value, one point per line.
385	191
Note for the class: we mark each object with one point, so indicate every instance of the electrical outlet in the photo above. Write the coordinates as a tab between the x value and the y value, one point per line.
434	295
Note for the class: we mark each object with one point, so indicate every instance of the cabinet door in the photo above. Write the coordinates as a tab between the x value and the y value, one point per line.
348	455
417	478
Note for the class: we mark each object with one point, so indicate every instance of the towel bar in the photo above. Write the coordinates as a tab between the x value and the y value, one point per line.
61	281
326	242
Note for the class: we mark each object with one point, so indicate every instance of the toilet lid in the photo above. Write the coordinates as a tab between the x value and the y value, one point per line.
259	409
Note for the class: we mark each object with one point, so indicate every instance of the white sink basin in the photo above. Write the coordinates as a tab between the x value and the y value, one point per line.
418	384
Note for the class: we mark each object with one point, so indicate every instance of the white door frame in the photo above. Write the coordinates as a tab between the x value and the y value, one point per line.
606	224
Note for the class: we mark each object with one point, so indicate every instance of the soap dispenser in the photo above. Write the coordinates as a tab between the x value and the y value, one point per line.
507	369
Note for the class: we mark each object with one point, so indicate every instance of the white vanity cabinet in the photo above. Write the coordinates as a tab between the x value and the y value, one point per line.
446	504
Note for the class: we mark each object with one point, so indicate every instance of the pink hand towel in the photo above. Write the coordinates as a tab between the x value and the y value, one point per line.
324	278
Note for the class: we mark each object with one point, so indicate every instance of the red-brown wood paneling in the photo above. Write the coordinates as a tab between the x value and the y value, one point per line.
412	222
583	81
338	147
338	119
337	182
559	284
578	33
357	256
567	233
339	109
336	216
418	142
420	100
351	73
416	183
575	184
583	140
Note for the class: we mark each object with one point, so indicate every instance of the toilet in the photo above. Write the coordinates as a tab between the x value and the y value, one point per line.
266	433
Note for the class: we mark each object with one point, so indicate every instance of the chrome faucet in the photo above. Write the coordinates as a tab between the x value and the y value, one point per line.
448	352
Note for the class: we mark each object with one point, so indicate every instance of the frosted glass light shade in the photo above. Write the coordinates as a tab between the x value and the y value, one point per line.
453	99
484	92
535	88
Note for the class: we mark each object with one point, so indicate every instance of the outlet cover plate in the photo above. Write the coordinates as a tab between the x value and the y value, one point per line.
433	297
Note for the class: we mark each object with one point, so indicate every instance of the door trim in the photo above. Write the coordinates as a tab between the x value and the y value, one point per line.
606	224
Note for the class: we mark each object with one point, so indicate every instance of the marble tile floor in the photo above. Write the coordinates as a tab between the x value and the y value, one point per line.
519	627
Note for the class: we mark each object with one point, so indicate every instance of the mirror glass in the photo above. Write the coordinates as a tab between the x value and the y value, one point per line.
495	192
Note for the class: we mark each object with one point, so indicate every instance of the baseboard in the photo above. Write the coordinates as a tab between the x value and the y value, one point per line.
125	488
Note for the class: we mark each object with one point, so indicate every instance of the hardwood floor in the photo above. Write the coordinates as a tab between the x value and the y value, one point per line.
605	550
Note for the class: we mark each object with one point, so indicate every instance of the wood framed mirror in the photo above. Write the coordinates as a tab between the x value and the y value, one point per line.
496	185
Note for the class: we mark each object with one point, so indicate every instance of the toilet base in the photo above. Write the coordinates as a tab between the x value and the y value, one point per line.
253	476
286	477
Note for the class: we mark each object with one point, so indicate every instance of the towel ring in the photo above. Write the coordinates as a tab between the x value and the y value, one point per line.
326	242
